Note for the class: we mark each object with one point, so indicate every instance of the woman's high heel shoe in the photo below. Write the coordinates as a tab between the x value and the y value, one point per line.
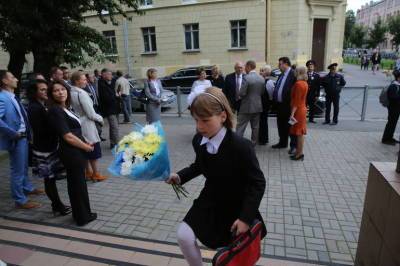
297	157
63	211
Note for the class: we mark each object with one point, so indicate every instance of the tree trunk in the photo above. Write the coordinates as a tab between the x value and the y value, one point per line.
16	63
43	62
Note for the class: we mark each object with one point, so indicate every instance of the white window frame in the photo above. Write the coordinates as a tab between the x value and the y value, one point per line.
185	2
113	43
237	27
146	33
192	31
146	3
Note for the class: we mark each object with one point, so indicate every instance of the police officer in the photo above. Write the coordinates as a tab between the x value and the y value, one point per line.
314	83
333	84
393	95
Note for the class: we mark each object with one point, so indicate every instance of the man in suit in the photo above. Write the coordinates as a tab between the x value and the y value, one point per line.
251	91
109	104
333	84
57	74
14	138
233	82
313	90
281	97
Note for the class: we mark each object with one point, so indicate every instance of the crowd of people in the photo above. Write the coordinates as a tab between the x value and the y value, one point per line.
253	95
62	126
59	131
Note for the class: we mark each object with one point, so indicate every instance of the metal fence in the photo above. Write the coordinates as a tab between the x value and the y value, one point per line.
356	103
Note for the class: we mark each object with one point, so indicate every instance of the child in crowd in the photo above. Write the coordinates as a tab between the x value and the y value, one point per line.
234	184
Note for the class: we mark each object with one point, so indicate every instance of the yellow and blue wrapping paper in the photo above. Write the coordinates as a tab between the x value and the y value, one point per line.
155	169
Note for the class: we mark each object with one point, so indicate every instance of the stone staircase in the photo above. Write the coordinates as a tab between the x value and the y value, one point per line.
32	243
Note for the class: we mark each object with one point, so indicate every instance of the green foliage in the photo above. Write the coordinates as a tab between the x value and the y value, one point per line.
54	31
358	35
349	24
377	34
387	64
394	29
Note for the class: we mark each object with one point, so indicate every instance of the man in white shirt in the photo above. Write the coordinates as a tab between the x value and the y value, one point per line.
122	88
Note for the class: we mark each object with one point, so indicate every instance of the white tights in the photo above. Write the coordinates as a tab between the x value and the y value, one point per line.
188	244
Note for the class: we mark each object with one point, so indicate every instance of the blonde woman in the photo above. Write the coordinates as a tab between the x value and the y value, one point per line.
298	117
216	78
153	89
83	106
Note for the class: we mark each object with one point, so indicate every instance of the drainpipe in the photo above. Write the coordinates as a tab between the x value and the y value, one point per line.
126	48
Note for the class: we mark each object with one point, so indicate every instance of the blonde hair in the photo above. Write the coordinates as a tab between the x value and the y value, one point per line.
216	68
213	102
301	73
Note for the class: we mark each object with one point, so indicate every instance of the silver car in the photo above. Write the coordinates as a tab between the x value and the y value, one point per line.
139	99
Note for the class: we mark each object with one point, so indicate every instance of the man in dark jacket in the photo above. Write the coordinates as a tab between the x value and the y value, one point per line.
109	104
282	97
333	84
393	94
313	90
233	82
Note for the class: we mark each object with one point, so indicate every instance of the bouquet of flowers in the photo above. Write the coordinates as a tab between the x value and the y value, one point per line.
143	155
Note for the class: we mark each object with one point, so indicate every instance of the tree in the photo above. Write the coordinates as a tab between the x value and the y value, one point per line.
54	32
349	24
377	34
357	36
394	30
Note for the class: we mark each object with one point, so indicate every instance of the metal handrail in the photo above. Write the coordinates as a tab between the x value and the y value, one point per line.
365	89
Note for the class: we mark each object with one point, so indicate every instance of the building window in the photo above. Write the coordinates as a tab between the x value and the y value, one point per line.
110	37
146	2
189	1
149	39
191	36
238	33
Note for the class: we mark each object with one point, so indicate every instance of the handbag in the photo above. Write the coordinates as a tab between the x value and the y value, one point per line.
245	249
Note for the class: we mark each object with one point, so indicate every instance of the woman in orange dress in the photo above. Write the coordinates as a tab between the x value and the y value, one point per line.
299	111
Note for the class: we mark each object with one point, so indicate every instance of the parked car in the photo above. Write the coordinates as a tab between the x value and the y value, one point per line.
139	99
183	77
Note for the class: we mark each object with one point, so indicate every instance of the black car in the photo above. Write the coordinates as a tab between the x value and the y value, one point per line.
183	77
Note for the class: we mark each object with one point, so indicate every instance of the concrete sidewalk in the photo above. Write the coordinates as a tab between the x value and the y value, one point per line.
312	209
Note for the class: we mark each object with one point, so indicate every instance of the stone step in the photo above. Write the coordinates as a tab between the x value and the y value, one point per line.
32	243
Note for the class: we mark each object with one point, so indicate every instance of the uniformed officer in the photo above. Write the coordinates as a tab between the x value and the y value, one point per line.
313	90
333	84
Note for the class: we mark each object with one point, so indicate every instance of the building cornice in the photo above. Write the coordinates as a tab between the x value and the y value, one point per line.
334	4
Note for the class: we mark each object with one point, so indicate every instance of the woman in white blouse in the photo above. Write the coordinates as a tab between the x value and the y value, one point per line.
153	89
83	107
199	86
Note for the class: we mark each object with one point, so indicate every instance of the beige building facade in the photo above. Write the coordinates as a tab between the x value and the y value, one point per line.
173	34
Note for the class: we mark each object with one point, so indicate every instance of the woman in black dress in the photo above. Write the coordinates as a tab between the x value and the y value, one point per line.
216	78
234	184
72	151
46	163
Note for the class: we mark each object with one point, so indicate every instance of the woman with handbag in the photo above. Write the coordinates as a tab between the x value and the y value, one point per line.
153	89
234	185
45	161
83	107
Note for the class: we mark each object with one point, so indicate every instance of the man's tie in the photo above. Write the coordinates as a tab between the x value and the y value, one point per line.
237	87
277	86
24	116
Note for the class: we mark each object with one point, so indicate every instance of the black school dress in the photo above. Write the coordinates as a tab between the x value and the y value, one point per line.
233	189
75	162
